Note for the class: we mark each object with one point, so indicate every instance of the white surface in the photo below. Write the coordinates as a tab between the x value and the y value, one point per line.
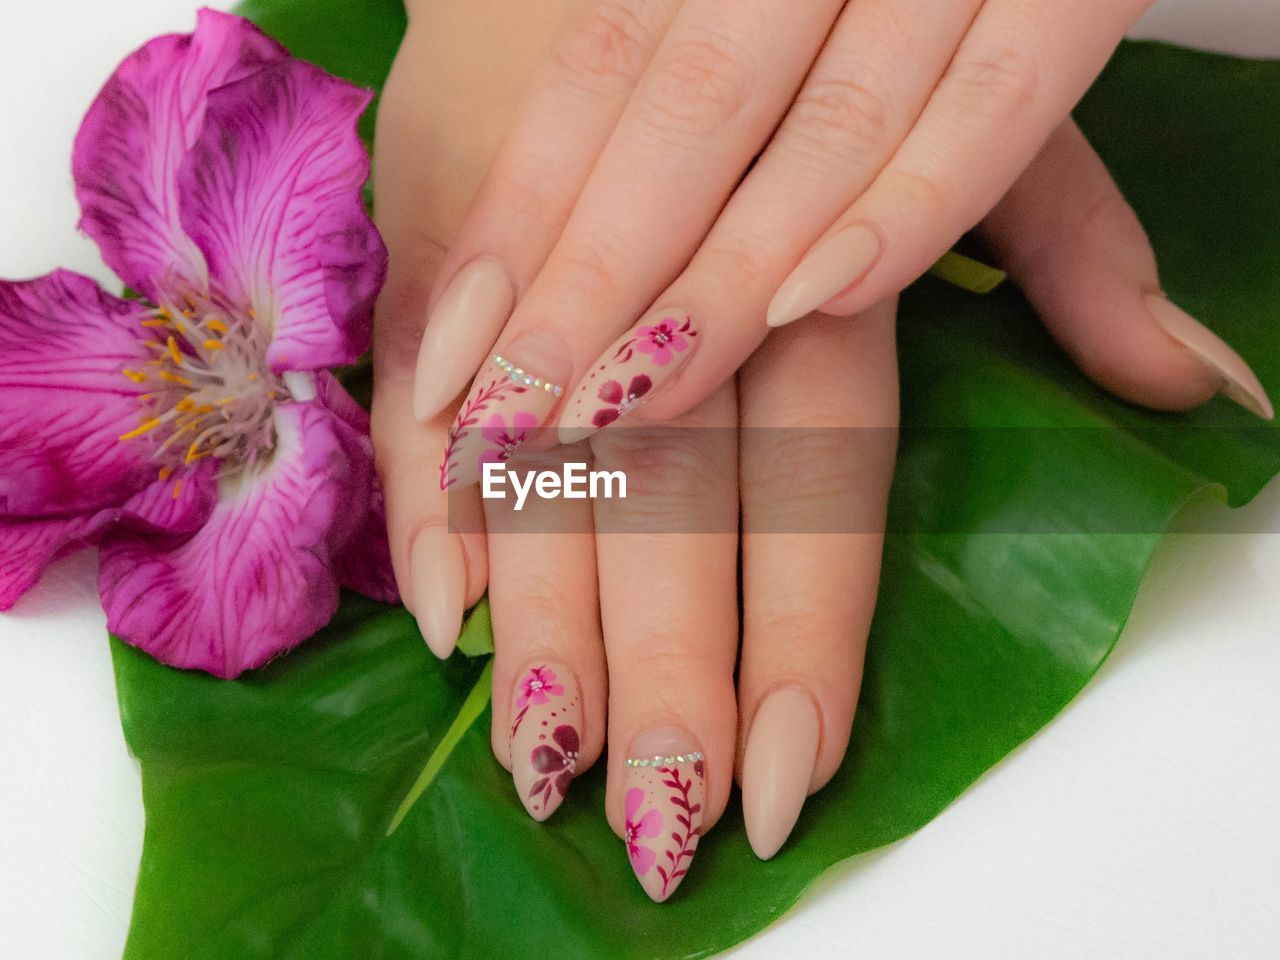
1142	822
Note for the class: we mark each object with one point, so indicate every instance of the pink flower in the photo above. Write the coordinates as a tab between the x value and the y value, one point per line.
538	685
560	761
505	440
650	825
195	433
619	403
664	340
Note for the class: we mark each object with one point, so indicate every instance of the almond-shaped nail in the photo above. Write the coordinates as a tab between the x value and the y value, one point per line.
464	324
1240	383
629	373
546	730
782	750
664	796
438	572
512	396
831	267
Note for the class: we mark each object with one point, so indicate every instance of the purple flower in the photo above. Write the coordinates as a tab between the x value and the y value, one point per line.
560	761
196	433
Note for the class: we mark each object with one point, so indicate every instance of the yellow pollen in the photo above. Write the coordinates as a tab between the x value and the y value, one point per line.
216	325
189	314
135	376
253	378
185	404
252	314
166	473
177	488
149	425
168	377
155	322
193	454
212	345
174	353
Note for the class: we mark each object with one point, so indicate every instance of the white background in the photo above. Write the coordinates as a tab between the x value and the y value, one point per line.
1143	822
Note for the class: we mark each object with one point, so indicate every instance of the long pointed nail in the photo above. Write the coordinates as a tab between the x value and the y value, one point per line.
834	265
546	728
464	324
665	794
782	750
629	372
1240	383
512	396
438	572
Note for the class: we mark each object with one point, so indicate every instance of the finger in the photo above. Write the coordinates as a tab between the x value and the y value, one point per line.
1018	72
669	609
574	98
1073	244
707	103
549	682
854	109
819	408
439	574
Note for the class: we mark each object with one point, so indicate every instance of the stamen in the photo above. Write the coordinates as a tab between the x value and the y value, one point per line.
145	428
212	345
174	352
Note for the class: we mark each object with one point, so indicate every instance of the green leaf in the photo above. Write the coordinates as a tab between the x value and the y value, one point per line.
270	800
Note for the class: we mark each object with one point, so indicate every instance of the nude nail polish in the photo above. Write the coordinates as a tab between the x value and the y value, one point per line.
831	267
464	324
664	796
1239	382
546	730
512	396
438	572
629	373
782	750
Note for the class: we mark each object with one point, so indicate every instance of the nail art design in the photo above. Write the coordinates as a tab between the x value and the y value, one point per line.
629	371
545	738
501	411
663	819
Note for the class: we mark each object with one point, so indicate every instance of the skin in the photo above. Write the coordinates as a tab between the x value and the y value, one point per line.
467	94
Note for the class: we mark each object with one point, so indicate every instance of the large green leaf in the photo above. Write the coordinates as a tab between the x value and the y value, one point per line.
269	800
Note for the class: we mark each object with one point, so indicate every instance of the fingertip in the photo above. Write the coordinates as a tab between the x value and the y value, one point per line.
437	573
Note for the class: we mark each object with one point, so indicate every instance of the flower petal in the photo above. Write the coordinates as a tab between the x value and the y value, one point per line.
137	133
271	194
64	401
546	759
567	737
28	546
257	578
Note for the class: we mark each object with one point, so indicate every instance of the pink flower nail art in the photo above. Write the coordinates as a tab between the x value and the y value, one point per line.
664	800
545	737
628	374
505	440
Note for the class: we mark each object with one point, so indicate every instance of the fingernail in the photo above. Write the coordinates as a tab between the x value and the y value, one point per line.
629	372
1240	383
831	267
464	324
438	572
664	797
546	727
782	749
512	396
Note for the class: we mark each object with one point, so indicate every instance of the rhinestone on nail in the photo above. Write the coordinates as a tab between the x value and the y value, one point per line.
660	760
518	375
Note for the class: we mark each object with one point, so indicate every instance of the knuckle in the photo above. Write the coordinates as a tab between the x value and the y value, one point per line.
797	463
700	88
997	83
591	272
665	469
838	119
608	46
926	196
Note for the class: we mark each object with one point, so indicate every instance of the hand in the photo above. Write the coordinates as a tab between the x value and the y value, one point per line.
881	130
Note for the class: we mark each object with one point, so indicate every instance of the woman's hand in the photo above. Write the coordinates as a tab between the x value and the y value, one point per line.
872	133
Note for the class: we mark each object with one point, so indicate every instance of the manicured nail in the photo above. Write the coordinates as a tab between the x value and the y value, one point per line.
546	729
629	372
464	324
512	396
665	792
438	571
782	749
831	267
1240	383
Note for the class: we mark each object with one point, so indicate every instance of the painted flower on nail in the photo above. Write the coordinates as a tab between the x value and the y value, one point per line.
538	685
557	763
196	433
663	340
505	440
619	403
650	825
